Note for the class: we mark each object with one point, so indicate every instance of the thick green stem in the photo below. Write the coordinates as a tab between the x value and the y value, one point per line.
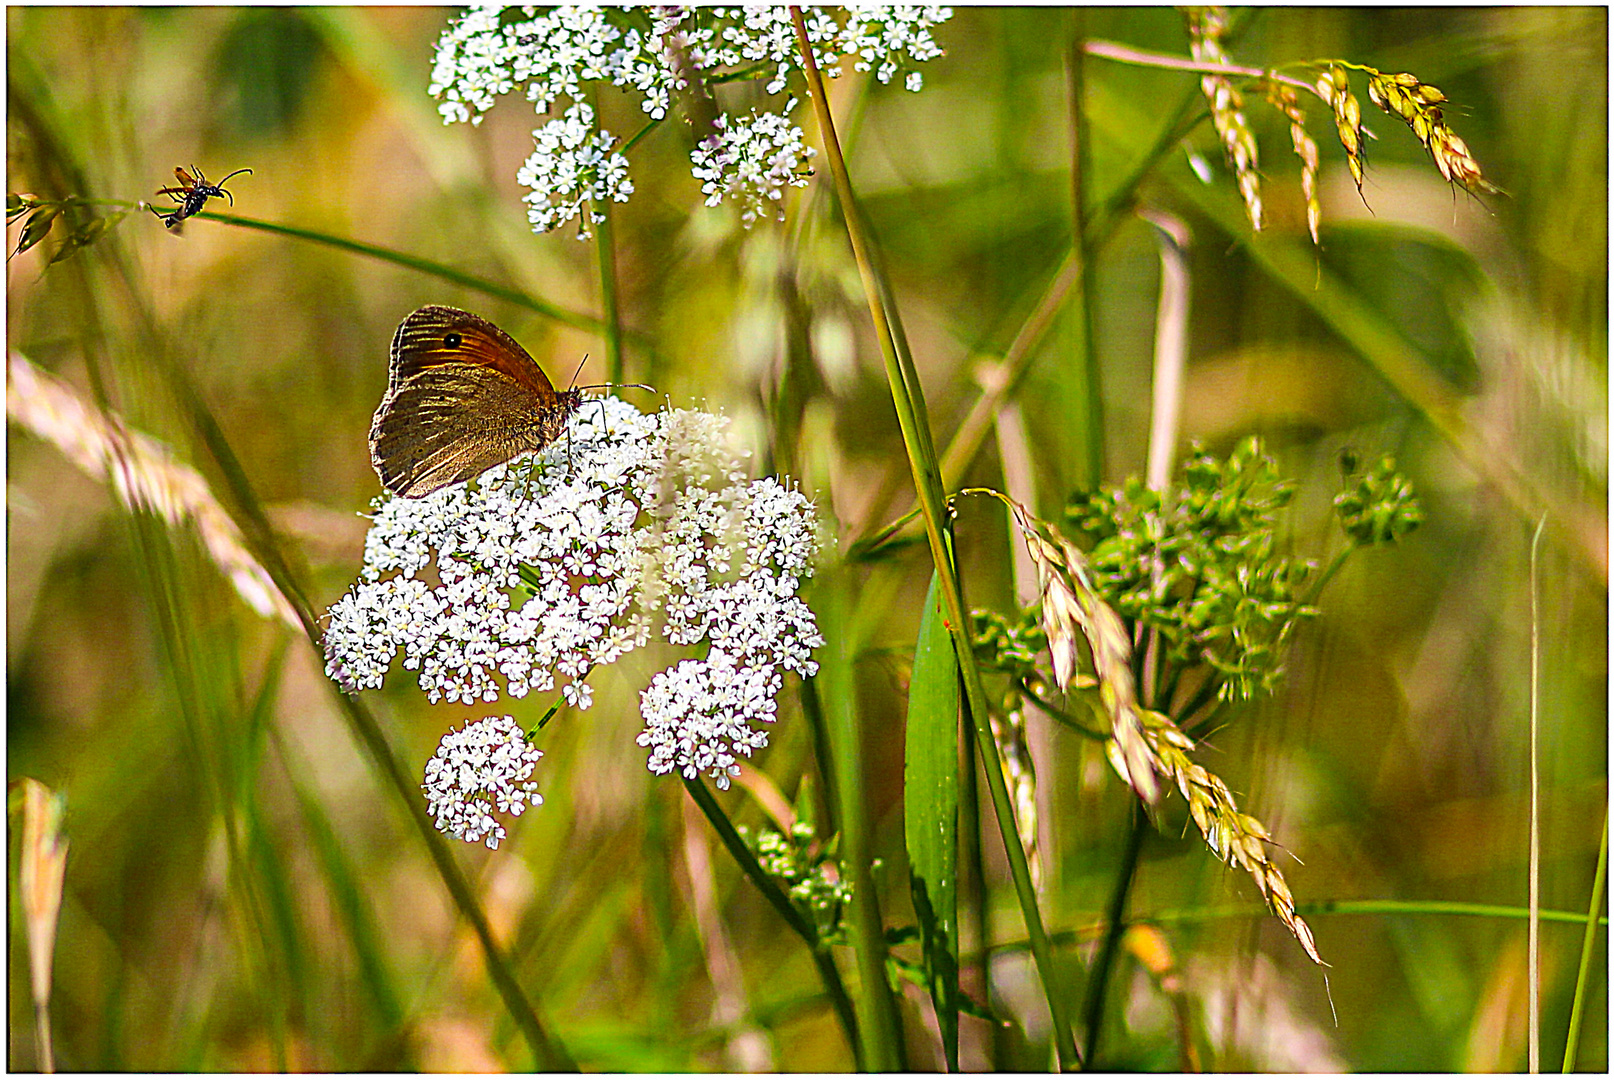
908	398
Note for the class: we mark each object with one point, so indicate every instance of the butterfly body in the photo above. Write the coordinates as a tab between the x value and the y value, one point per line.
461	397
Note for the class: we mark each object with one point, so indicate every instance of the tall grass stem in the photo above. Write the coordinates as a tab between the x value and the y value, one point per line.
908	398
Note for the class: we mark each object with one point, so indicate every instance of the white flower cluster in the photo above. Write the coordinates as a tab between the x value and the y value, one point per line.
557	563
752	159
486	766
573	164
653	52
892	36
480	57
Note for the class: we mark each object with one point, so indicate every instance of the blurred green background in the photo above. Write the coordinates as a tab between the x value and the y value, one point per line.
241	891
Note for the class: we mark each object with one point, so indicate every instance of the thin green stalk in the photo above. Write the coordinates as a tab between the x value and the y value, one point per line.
1099	982
813	709
606	249
1308	910
781	903
415	262
1577	1010
1373	907
1059	714
972	882
908	398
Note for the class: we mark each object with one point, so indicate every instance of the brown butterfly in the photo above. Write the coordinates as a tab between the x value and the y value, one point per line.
461	397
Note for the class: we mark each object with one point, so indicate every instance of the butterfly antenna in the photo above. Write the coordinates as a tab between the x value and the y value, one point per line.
618	386
578	372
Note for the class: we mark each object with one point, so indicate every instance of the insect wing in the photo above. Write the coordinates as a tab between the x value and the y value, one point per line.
461	397
436	336
425	437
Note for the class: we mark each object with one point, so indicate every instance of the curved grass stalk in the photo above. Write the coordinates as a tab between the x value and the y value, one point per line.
415	262
1125	54
908	398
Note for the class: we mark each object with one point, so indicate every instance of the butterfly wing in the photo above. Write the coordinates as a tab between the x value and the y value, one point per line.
461	397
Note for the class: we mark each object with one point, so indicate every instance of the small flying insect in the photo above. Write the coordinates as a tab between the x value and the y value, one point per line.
192	194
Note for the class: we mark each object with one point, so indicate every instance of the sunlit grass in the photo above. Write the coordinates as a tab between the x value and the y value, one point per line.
252	882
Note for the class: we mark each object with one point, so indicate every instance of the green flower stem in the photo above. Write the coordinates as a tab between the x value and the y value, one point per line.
813	709
425	266
1577	1010
781	903
908	398
640	134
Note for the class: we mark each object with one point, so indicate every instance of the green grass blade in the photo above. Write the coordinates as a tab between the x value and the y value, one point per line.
1577	1010
930	805
1533	972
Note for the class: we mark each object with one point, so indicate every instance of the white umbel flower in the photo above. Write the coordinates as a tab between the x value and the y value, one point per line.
564	561
751	161
482	768
652	53
572	166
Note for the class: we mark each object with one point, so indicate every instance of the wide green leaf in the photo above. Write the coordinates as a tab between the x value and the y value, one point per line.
930	793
